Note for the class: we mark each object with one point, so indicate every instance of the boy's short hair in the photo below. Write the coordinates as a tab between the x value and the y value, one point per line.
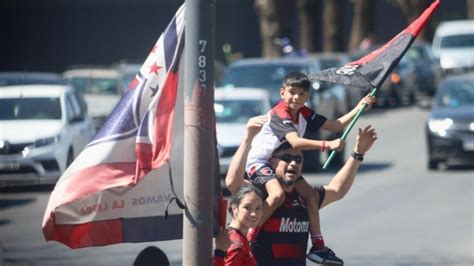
297	79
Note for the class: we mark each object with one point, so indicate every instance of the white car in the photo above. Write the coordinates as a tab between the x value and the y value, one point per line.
233	108
42	129
453	44
101	88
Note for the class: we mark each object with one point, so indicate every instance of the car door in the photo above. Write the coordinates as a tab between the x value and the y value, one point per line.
79	130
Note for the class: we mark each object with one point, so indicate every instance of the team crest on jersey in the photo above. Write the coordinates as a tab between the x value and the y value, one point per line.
265	171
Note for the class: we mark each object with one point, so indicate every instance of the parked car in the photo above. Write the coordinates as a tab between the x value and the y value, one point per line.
101	88
400	86
450	126
43	128
453	44
127	72
268	74
10	78
427	68
233	108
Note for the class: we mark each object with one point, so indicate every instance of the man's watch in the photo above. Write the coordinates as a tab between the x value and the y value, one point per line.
357	156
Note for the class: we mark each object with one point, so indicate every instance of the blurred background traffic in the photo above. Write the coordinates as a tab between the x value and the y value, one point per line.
65	65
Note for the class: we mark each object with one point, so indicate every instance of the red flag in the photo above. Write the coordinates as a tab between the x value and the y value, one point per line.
118	189
371	70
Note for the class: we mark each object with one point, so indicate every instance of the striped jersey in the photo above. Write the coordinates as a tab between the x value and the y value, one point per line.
273	132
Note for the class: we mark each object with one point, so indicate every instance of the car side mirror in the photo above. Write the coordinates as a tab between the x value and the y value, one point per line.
76	118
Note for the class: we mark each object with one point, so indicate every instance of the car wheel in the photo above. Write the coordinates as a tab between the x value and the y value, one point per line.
433	164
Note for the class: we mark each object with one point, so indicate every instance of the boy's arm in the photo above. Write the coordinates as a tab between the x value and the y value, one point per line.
236	172
309	144
342	181
340	123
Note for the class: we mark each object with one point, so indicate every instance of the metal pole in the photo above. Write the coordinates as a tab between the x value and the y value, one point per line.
348	129
199	127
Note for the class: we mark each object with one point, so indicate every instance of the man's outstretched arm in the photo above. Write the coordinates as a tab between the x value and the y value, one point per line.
236	172
342	181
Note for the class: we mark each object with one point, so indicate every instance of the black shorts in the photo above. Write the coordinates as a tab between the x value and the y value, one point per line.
262	174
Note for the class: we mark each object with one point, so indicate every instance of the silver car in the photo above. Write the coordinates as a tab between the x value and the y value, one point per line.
233	108
42	129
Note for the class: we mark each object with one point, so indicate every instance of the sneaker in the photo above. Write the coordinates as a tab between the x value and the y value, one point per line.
325	255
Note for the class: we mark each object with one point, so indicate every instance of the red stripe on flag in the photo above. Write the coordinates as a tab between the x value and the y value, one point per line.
281	251
90	234
164	121
84	182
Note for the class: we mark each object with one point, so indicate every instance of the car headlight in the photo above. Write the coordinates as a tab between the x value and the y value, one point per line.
440	126
47	141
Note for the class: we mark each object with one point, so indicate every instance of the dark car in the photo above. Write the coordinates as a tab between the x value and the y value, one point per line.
400	86
268	73
450	126
428	70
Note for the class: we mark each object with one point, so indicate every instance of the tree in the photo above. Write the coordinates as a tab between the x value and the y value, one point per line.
333	21
270	26
307	22
470	9
363	25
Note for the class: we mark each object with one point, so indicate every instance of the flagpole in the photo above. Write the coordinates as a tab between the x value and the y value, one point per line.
199	130
348	129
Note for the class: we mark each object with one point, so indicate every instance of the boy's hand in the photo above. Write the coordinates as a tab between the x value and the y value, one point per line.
368	100
254	125
365	139
337	144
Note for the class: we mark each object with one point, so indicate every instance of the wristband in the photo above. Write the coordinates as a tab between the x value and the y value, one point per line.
357	156
323	148
219	253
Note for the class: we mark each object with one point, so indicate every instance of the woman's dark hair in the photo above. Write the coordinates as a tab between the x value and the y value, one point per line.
151	256
240	192
297	79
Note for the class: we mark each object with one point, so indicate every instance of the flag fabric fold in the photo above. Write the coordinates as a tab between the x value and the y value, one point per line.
371	70
116	190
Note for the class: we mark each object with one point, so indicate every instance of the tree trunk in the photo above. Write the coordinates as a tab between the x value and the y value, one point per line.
470	9
333	39
307	22
270	26
363	25
412	10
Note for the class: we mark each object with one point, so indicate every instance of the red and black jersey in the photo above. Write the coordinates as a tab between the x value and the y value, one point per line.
283	238
239	252
280	123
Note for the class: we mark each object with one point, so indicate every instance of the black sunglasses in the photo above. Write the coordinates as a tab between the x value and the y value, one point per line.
288	158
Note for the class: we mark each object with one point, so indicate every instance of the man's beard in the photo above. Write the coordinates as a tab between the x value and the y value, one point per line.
287	182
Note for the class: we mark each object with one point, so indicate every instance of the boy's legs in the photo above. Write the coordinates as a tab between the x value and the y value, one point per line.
265	176
319	253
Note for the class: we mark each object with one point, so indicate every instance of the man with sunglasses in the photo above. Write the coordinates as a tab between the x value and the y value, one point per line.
284	236
288	122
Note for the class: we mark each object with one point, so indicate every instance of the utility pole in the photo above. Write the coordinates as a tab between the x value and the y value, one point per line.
199	132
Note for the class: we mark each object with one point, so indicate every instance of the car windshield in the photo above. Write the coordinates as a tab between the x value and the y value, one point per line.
237	111
458	41
456	93
29	108
99	86
268	77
